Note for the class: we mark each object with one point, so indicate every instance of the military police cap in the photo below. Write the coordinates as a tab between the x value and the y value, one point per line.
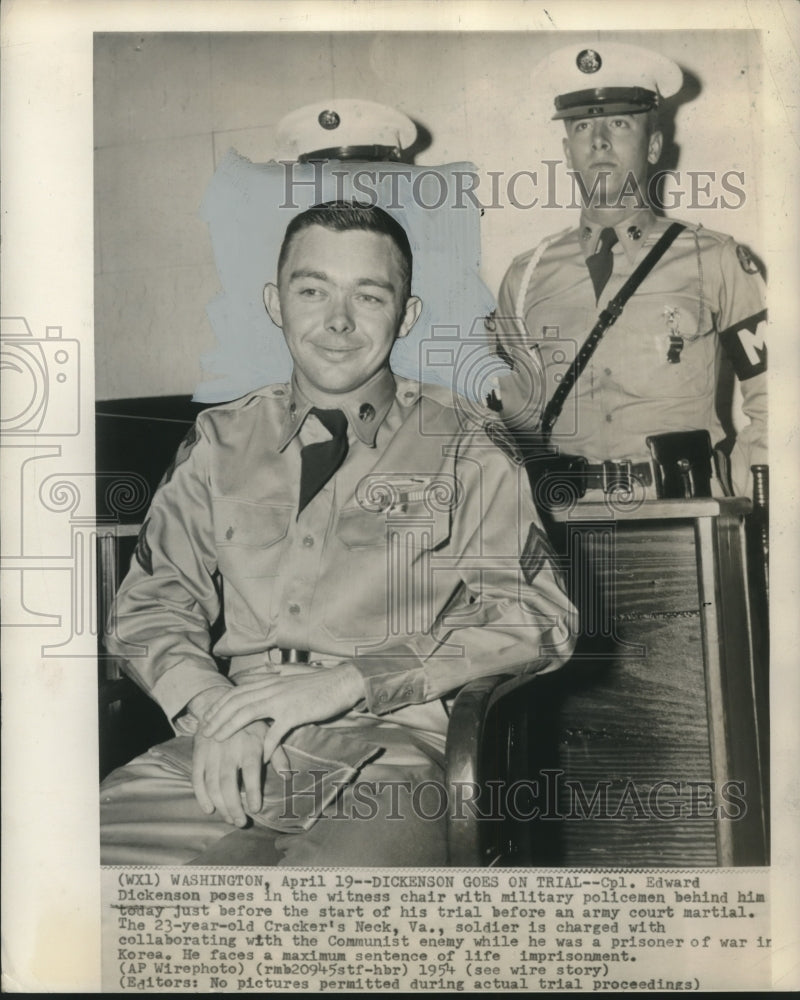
607	78
346	129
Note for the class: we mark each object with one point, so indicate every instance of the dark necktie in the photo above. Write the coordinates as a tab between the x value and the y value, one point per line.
321	460
601	263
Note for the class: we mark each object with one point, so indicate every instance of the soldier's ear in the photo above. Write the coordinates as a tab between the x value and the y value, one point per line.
654	147
567	153
411	311
272	301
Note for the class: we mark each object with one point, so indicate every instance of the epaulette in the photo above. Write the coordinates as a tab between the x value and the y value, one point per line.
409	391
522	258
277	391
699	231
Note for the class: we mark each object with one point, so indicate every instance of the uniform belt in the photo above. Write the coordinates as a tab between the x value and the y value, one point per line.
272	659
606	475
294	656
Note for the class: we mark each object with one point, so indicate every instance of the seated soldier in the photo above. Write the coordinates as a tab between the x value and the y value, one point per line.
368	556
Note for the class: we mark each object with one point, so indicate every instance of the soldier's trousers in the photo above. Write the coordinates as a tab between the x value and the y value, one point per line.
392	813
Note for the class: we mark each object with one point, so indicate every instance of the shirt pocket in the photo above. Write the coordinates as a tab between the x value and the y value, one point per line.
359	529
249	539
414	520
384	572
650	365
248	534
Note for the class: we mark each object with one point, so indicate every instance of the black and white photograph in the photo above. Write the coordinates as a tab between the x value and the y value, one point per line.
397	499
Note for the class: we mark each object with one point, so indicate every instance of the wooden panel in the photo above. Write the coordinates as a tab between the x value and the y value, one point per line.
631	707
668	685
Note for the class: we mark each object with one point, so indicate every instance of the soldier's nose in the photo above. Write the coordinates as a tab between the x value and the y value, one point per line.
339	319
600	135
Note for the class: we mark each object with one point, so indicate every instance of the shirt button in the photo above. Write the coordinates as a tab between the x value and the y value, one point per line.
607	371
294	609
609	418
308	542
407	692
383	696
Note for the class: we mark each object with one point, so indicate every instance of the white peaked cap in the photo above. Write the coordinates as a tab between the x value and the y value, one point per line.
606	78
345	127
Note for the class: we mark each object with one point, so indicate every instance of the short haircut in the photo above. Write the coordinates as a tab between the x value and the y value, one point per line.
344	216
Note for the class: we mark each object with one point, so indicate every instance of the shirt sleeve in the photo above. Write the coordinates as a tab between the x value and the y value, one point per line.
521	388
167	602
741	325
510	613
509	326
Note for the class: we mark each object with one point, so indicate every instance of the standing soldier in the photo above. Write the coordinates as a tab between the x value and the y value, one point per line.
650	328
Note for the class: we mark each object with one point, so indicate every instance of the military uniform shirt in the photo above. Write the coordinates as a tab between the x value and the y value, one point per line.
422	560
704	300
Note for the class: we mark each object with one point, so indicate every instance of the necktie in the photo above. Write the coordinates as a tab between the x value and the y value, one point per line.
601	263
320	461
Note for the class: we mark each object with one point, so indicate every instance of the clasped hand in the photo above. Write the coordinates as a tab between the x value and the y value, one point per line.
234	736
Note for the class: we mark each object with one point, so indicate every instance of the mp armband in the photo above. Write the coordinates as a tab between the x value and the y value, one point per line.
746	347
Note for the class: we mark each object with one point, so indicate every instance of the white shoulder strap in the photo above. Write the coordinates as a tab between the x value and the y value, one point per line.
536	256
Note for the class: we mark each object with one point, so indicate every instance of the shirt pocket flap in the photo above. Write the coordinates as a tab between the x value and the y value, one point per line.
357	528
243	523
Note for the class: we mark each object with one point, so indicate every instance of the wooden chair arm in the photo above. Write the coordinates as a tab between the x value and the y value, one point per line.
480	738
